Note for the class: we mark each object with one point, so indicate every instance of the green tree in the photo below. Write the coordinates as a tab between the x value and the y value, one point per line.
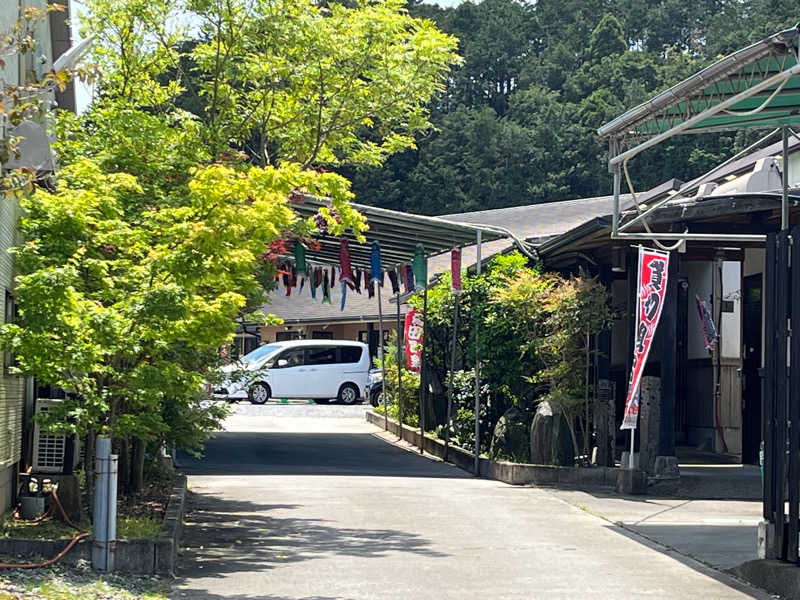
160	233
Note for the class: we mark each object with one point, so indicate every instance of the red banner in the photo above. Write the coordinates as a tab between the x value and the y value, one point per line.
653	269
455	268
413	337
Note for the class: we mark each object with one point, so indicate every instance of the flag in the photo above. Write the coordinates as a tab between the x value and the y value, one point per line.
707	322
413	337
652	288
455	268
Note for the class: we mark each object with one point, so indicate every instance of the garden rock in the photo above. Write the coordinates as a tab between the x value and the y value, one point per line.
551	443
511	437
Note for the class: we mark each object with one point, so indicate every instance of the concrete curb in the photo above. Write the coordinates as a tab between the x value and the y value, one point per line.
594	478
147	556
775	576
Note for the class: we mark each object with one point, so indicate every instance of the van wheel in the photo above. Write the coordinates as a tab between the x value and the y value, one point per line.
348	394
259	393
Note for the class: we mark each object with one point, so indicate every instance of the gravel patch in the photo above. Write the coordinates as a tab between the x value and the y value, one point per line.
78	583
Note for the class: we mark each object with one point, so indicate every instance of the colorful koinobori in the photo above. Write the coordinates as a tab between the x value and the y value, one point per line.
295	276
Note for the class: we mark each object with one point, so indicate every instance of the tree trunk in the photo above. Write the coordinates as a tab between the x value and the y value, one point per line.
124	471
137	474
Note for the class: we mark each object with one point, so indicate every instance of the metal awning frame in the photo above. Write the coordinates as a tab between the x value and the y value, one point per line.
398	234
674	107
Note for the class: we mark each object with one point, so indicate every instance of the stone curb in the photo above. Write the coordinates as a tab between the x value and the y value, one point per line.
594	478
147	556
775	576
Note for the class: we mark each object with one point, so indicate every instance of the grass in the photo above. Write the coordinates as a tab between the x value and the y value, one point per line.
79	584
48	529
138	527
133	527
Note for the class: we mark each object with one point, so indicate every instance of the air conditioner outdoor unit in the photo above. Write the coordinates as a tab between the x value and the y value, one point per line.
49	450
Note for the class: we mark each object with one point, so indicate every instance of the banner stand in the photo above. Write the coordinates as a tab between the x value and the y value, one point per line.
650	294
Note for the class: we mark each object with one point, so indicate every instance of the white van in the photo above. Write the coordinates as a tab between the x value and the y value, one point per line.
315	369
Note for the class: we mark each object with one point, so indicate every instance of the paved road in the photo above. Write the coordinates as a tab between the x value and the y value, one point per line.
307	508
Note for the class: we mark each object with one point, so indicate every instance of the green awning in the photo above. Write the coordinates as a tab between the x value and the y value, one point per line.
757	86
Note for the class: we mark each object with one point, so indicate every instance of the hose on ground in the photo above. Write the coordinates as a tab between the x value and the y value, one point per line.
80	535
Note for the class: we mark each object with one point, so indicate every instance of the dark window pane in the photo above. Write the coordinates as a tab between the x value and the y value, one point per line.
293	357
351	354
321	356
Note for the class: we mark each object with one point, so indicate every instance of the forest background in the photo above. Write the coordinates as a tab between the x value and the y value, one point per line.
518	121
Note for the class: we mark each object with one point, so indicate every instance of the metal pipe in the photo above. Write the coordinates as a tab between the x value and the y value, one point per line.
423	383
450	383
696	237
477	366
399	369
693	186
688	123
616	211
105	506
785	178
380	357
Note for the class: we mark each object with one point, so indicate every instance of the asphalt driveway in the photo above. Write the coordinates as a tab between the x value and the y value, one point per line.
305	505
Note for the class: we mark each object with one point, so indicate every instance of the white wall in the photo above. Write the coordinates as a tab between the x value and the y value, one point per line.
731	329
699	274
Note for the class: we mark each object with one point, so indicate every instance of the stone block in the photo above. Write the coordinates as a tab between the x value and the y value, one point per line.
568	476
777	577
134	556
592	477
631	481
765	541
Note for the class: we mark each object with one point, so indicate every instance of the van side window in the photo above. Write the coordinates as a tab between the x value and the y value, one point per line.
293	357
350	354
325	355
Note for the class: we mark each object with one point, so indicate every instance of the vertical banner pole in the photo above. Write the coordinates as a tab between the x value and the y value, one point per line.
455	274
630	456
380	357
652	282
423	389
400	340
450	384
477	365
785	181
376	278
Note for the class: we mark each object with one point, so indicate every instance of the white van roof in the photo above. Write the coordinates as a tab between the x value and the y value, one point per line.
318	343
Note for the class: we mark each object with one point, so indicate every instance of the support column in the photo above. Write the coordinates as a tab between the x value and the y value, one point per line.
666	464
605	399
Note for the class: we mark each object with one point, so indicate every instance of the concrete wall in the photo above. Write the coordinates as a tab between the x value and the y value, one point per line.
9	74
12	403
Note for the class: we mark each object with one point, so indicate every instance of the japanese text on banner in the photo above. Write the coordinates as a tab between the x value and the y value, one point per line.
653	269
413	336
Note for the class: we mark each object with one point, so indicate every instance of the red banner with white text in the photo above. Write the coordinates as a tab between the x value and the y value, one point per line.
413	337
653	269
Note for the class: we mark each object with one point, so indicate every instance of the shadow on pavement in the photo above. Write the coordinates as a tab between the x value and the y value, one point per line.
226	536
291	453
650	537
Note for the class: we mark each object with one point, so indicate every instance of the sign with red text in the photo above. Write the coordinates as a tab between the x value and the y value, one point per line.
653	269
413	336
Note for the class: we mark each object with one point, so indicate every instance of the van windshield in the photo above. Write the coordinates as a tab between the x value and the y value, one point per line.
260	353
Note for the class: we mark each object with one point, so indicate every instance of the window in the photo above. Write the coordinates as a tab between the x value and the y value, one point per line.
321	335
350	354
10	316
293	357
286	336
323	355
